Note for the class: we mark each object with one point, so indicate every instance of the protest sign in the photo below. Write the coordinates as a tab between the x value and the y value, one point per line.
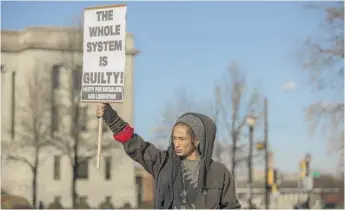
104	54
103	58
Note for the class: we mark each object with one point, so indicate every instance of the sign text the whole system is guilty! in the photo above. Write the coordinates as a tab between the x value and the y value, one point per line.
104	54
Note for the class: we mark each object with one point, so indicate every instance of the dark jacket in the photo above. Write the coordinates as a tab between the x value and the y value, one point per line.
217	184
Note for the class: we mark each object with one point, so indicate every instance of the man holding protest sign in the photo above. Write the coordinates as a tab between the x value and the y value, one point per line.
186	177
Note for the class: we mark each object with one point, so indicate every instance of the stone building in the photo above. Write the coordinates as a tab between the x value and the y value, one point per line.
36	65
145	186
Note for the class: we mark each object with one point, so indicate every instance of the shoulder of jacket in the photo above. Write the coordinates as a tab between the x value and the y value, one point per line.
218	166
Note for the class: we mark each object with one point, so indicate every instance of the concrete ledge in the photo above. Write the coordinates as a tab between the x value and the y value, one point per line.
51	38
287	190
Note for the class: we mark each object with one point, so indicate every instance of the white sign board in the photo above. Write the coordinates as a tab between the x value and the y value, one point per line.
104	54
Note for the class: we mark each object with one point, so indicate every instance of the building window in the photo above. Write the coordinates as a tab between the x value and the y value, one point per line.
13	104
139	185
54	110
57	166
83	202
108	168
54	118
76	78
83	168
83	118
56	77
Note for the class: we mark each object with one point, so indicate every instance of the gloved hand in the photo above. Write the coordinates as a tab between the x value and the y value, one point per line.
115	123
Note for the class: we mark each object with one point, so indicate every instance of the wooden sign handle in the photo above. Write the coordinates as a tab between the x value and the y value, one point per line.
100	138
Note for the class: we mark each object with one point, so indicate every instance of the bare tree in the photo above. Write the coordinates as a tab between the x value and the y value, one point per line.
237	101
73	137
216	109
33	126
323	53
182	102
323	58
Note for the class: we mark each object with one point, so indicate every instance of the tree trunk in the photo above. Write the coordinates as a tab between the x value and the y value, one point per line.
233	153
34	179
75	134
75	173
74	185
233	156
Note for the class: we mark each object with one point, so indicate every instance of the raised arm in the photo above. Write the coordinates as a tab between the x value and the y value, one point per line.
145	153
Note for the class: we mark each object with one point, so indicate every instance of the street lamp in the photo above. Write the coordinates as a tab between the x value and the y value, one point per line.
267	193
250	120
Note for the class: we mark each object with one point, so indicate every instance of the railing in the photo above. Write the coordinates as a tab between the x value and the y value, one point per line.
286	198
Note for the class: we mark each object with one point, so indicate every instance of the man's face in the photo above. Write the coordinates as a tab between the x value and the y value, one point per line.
182	141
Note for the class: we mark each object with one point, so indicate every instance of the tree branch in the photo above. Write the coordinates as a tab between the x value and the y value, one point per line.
323	58
21	159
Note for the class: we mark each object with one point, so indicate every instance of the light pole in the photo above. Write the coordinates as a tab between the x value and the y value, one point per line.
251	124
267	191
263	146
307	160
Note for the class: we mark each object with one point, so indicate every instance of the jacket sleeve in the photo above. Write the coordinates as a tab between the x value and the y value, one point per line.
229	197
144	153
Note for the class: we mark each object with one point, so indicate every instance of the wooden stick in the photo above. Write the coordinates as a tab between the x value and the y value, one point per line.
100	135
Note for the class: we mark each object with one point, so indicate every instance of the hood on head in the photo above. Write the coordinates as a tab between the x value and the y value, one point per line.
204	128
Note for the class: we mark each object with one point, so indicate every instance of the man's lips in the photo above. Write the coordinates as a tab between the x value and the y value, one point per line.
178	150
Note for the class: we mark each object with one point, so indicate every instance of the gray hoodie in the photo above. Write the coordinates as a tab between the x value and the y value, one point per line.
215	186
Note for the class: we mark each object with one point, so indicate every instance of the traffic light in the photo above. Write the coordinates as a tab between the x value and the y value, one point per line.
273	179
304	168
260	146
276	176
274	188
270	177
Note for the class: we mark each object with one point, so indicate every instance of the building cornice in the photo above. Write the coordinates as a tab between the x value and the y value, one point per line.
50	38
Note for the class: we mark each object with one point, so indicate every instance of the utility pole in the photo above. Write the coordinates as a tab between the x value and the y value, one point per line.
250	167
251	124
217	148
267	192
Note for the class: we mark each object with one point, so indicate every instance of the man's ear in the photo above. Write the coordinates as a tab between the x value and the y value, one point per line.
196	142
